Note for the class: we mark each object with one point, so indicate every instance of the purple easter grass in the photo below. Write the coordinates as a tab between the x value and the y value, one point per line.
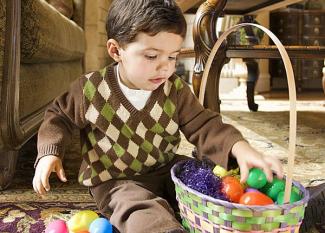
199	176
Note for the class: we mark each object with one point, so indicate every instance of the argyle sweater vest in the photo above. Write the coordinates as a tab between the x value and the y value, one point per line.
120	140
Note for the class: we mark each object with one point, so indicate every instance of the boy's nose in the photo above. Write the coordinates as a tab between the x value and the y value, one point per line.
163	66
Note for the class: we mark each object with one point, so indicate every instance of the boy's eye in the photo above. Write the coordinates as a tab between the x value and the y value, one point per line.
172	58
151	57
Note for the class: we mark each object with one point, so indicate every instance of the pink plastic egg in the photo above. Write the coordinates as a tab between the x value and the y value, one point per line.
247	190
57	226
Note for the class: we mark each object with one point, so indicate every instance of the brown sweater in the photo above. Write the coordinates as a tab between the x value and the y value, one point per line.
120	141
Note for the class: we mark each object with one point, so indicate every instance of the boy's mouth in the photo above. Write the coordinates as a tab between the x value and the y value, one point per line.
157	80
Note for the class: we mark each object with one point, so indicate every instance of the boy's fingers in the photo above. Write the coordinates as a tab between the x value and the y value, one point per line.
277	167
60	173
34	185
36	182
45	178
268	172
262	164
38	187
243	173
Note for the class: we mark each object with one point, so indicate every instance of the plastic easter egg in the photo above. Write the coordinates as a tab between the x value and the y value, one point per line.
295	189
57	226
101	225
233	172
293	197
247	190
274	188
219	171
256	178
82	220
255	198
232	188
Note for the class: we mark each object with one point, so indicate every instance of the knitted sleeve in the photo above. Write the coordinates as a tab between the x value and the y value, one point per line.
205	129
65	113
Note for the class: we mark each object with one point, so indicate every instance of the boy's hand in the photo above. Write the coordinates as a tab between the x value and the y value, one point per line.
247	158
44	168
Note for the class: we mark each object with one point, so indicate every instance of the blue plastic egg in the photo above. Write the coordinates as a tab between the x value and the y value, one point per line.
101	225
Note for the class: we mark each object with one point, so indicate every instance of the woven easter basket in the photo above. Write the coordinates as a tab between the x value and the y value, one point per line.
201	213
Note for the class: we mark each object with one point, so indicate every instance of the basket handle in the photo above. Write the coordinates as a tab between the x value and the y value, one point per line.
292	93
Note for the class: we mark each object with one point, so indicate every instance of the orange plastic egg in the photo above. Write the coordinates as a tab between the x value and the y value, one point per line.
232	188
255	198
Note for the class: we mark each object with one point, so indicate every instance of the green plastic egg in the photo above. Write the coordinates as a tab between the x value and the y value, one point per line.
256	178
293	197
274	188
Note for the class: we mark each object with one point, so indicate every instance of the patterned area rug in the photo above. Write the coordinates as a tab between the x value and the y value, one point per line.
35	216
21	210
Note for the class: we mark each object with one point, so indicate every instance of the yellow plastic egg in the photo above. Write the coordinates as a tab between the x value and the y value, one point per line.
81	220
219	171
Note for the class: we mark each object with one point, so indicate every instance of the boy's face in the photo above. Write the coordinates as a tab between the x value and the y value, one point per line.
149	61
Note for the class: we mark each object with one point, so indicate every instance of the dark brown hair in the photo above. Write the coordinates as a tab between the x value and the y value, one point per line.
127	18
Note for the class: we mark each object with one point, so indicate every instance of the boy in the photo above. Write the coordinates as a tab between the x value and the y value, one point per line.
130	115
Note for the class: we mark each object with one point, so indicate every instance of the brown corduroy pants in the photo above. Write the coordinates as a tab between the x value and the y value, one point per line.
143	204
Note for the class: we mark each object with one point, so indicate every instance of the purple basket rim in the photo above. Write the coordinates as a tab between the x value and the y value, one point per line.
228	204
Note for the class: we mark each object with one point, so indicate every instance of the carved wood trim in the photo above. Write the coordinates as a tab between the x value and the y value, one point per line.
204	37
204	31
186	52
14	130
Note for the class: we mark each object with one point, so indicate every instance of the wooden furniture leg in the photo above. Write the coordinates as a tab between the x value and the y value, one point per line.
8	163
324	84
252	76
251	64
204	37
324	77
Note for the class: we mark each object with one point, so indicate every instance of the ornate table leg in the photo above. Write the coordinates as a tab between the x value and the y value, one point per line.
324	77
252	65
204	36
252	76
324	83
7	167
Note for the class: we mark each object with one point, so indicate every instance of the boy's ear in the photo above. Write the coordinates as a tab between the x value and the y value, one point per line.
112	49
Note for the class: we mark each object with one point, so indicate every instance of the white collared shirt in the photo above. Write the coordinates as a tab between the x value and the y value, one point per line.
138	98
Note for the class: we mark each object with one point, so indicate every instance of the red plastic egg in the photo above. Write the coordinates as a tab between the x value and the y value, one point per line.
232	188
255	198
